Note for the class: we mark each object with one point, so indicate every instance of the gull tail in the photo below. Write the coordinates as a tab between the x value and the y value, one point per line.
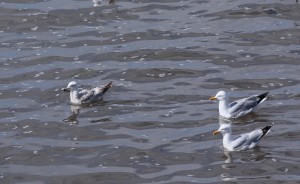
107	87
262	97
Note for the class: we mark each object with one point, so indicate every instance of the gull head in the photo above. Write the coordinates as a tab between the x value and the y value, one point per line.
97	3
71	86
224	128
221	95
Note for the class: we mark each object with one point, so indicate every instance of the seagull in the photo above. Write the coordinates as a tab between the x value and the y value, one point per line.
79	97
242	142
240	107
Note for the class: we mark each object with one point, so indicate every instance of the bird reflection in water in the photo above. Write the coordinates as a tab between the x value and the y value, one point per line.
75	111
228	163
72	119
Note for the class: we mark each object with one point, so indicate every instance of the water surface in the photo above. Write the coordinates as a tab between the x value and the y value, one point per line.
155	125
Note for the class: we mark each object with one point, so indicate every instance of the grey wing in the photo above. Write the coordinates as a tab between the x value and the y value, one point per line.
248	140
243	106
85	95
255	136
240	141
98	91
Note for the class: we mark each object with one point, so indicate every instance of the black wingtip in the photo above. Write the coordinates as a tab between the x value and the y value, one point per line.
266	129
262	96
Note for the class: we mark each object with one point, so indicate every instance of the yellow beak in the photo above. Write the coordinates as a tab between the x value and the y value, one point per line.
212	98
216	132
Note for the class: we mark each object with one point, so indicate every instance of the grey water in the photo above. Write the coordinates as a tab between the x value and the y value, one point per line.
165	58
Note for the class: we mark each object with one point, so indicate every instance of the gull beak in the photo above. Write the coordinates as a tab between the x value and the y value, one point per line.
66	89
212	98
216	132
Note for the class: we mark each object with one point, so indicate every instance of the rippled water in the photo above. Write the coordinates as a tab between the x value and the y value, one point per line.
155	125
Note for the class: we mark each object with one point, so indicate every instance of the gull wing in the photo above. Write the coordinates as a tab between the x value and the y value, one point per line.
89	95
99	91
246	105
252	139
239	141
258	134
249	140
86	95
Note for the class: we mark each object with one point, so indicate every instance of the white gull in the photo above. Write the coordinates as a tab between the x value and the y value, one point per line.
244	141
237	108
85	96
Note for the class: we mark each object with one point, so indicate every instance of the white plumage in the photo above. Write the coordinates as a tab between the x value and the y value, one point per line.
243	141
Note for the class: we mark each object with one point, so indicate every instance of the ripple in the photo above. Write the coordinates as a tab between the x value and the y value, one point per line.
165	58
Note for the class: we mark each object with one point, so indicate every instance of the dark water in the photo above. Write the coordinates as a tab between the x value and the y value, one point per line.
155	125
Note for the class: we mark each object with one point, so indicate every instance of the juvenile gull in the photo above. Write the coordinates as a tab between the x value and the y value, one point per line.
84	96
244	141
240	107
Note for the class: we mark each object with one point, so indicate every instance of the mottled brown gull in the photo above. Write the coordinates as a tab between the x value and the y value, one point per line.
85	96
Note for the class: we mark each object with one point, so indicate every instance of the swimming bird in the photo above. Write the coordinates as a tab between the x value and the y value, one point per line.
244	141
240	107
78	97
